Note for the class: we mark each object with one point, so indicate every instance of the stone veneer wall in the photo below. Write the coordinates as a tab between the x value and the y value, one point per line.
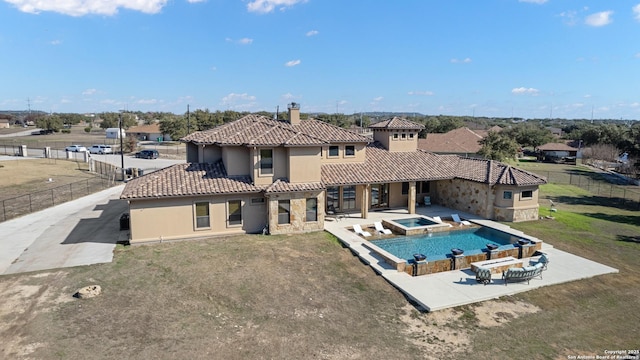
298	213
464	195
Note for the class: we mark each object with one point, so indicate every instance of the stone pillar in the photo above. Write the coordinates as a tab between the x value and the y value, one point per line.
47	152
23	150
86	156
69	155
420	268
459	262
364	201
412	197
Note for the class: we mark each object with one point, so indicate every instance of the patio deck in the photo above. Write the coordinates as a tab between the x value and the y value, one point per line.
458	287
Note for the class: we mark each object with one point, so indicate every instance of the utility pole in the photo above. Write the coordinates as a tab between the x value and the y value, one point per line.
121	147
188	121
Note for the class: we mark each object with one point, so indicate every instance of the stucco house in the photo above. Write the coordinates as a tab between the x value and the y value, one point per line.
461	141
257	174
148	132
557	152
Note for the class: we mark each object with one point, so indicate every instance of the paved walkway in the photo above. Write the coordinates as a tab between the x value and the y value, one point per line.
80	232
459	287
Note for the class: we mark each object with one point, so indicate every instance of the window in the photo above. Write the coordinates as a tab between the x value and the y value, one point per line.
257	201
507	195
425	187
527	194
235	212
202	215
411	135
266	161
349	197
284	212
349	150
333	197
405	188
395	136
312	209
403	136
333	151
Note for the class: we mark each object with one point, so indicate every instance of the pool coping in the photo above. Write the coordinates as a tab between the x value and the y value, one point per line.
458	287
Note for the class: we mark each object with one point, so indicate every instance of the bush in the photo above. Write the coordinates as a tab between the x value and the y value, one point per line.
87	129
66	131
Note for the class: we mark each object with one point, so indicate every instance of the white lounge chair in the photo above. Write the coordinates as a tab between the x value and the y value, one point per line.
358	230
437	219
380	229
456	218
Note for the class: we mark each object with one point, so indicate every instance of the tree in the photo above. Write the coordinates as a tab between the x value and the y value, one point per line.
111	120
49	122
498	146
174	126
529	134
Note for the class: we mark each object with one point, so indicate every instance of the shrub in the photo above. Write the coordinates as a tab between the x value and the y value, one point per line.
66	131
87	129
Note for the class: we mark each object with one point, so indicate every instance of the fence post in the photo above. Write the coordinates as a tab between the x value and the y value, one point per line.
53	201
30	208
71	190
4	211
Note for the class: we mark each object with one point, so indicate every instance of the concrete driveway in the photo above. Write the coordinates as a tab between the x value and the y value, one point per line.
80	232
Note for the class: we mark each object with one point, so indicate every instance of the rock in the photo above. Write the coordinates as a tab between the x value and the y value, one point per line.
88	292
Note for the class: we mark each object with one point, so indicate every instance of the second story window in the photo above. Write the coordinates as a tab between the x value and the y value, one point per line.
334	151
395	136
350	150
266	161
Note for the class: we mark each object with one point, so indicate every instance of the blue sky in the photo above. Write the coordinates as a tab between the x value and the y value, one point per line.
496	58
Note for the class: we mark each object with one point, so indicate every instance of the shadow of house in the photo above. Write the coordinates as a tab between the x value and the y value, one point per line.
104	229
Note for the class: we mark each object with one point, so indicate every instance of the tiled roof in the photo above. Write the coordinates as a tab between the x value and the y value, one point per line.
188	180
493	172
461	141
397	123
283	186
256	130
556	147
383	166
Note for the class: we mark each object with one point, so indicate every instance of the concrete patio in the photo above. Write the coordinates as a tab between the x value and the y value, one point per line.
458	287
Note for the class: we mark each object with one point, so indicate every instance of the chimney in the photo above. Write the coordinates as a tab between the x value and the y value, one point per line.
294	113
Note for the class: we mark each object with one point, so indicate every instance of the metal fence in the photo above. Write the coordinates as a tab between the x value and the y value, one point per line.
28	203
626	196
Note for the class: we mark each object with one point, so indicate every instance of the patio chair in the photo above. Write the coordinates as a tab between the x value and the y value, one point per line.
483	275
331	211
380	229
456	219
543	259
358	230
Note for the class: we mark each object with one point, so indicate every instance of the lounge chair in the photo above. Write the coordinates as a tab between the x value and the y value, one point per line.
543	259
331	211
380	229
524	273
437	219
456	219
358	230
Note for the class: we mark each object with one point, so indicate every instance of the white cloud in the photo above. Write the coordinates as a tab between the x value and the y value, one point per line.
423	93
599	19
292	63
636	12
89	92
587	96
534	1
234	98
289	96
56	42
84	7
312	32
463	61
147	101
377	99
637	55
245	41
524	90
267	6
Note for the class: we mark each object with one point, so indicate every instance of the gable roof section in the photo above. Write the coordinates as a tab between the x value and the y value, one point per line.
150	129
493	172
189	179
284	186
383	166
460	140
397	123
256	130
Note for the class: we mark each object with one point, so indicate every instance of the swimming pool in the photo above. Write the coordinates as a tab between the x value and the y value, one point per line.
437	246
415	222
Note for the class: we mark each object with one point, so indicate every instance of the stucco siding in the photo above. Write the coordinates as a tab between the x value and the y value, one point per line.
304	164
236	160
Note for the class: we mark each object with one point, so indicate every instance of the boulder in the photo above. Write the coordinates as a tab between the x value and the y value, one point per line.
88	292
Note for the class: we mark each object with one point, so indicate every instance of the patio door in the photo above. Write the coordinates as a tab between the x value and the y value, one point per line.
379	195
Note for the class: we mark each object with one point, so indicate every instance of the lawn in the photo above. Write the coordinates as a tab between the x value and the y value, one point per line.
305	296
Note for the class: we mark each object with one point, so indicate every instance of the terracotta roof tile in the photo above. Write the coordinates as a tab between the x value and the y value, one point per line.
283	186
259	130
397	123
461	140
556	147
188	180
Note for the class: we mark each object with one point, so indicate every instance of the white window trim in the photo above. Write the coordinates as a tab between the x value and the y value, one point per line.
273	161
229	214
195	216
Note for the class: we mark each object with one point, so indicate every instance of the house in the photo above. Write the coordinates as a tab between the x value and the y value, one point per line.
148	132
461	141
557	152
257	174
4	124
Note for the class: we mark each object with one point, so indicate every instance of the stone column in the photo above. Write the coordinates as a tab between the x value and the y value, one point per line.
364	201
412	197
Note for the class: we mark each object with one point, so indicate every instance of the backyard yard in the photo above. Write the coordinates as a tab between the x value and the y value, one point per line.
306	296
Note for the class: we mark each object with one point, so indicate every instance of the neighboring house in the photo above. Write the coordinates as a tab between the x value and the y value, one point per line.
557	152
257	174
461	141
4	124
148	132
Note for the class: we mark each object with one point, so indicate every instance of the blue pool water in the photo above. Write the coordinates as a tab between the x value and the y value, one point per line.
414	222
437	246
